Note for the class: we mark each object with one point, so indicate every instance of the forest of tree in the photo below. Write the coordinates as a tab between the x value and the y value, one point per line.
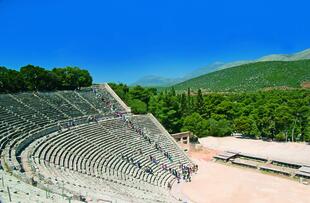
35	78
278	114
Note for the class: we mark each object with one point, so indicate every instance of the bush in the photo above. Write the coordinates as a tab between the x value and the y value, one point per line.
280	137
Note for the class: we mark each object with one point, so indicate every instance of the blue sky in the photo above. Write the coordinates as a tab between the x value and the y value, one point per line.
122	41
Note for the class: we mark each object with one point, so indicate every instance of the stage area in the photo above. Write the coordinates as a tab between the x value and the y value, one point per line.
292	152
218	182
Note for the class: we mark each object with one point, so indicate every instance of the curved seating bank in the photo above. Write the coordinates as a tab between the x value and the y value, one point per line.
84	146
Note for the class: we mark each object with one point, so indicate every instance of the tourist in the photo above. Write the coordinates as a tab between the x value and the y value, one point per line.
169	186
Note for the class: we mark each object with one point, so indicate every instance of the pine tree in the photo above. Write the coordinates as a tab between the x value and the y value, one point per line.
200	104
183	105
189	102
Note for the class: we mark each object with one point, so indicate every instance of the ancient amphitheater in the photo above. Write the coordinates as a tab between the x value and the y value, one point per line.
83	146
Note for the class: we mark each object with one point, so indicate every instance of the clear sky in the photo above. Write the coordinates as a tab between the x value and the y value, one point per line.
121	41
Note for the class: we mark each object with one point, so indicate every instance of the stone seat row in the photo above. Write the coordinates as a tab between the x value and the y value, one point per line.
92	154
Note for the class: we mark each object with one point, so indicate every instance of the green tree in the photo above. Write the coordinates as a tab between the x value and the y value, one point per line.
37	78
71	78
218	128
183	105
303	117
11	80
121	90
262	114
196	124
284	120
138	106
200	104
246	126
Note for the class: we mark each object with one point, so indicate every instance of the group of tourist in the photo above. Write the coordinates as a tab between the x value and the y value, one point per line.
153	160
149	170
187	171
166	154
184	173
140	131
131	161
67	125
138	164
107	102
92	119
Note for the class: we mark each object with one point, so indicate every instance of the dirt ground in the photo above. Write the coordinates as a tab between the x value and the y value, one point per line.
295	152
220	183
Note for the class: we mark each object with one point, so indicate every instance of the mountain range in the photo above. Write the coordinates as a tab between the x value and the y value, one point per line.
262	75
159	81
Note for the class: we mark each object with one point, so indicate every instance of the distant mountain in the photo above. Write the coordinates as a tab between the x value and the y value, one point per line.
158	81
252	77
287	57
204	70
